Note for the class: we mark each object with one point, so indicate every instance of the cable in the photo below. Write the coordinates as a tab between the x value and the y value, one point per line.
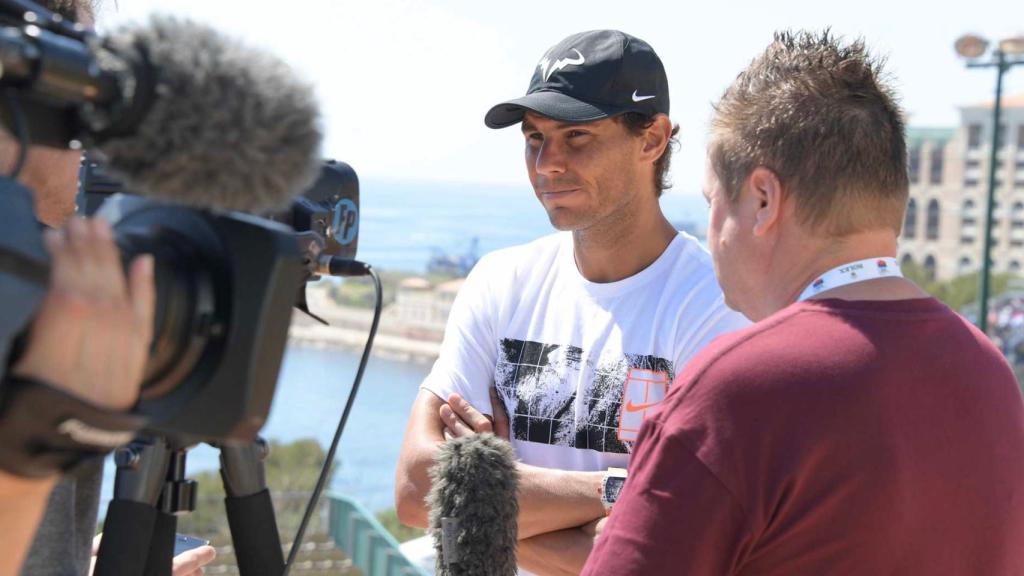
341	425
20	131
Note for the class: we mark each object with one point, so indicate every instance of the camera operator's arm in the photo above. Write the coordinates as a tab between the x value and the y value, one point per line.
90	338
22	501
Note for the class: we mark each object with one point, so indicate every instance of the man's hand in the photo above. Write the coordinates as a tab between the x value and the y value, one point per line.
188	563
92	334
462	419
191	562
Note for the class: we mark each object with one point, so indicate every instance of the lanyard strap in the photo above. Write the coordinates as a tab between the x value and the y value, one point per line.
859	271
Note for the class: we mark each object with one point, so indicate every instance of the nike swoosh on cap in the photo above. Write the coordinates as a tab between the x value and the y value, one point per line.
641	98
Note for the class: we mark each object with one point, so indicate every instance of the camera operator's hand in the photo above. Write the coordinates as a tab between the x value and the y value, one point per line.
92	333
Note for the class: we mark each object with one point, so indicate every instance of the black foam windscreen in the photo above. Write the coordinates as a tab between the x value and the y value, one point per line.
474	507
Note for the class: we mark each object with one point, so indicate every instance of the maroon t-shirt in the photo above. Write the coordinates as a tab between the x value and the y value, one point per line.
835	437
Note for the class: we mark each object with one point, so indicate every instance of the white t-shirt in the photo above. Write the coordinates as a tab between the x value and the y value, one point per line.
577	364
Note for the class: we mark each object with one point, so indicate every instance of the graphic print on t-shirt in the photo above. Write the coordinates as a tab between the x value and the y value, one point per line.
540	385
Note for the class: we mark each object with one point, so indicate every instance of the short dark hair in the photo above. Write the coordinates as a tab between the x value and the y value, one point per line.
820	114
69	8
636	123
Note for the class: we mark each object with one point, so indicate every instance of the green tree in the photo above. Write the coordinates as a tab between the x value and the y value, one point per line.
389	520
956	292
291	473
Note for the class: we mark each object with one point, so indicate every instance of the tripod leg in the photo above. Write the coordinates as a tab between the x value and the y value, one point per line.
250	510
161	552
132	514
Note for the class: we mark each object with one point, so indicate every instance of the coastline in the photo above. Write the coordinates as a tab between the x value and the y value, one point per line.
390	346
398	337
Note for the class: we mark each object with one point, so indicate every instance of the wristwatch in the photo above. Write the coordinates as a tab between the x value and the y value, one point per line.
611	487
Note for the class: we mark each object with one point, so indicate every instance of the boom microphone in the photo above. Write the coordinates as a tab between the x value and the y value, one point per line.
473	507
179	111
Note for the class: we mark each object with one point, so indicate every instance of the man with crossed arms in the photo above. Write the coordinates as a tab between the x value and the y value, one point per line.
577	335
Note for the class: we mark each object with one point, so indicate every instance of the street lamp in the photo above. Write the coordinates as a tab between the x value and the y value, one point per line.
1008	53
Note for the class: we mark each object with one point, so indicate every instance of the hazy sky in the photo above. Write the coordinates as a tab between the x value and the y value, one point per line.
404	85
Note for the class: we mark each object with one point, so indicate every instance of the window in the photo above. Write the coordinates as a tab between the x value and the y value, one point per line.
967	240
971	182
936	164
968	217
907	260
932	227
973	164
964	265
929	268
910	220
914	164
1020	139
1014	267
974	136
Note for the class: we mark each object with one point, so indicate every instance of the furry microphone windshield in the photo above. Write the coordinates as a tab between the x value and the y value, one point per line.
473	507
226	126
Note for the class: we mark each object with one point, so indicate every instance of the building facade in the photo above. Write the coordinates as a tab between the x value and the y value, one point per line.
944	227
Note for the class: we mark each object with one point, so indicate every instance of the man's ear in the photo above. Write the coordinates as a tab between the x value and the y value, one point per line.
656	138
766	190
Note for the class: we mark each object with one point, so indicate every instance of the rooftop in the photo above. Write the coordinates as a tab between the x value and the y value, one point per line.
917	135
1009	101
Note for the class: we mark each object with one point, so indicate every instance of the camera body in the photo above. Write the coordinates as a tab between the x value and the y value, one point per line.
226	284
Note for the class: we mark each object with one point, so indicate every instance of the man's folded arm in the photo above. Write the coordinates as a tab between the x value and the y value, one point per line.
549	499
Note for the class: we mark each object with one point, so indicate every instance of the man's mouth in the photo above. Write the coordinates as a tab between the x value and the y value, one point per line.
557	194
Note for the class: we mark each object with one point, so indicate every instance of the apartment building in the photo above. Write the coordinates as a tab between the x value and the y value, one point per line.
949	167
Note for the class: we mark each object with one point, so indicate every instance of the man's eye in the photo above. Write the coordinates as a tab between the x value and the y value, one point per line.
534	137
576	133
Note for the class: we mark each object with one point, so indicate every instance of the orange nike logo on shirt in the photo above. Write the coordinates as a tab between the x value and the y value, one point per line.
630	407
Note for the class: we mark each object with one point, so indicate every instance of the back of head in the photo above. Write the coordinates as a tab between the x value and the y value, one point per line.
819	113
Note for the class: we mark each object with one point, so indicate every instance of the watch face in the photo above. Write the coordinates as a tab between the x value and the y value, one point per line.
612	488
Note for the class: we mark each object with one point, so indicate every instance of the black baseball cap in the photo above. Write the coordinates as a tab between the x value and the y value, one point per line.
590	76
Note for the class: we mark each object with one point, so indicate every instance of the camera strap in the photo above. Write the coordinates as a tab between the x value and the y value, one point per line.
44	430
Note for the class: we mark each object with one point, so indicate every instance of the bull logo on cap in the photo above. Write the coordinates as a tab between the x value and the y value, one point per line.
546	73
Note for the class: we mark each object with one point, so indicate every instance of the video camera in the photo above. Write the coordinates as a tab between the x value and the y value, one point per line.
226	280
226	284
240	212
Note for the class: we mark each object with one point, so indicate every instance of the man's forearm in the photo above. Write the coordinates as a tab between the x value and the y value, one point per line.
552	500
22	502
549	499
559	553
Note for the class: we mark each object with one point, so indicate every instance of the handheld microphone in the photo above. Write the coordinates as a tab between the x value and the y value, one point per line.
179	111
474	507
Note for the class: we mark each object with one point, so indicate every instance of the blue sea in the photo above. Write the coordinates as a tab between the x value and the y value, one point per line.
402	224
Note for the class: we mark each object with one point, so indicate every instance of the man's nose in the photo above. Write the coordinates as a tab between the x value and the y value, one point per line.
551	158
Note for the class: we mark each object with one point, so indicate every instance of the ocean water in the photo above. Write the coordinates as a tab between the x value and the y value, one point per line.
401	225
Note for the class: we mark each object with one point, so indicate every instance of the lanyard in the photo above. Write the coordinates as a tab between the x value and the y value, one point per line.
859	271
